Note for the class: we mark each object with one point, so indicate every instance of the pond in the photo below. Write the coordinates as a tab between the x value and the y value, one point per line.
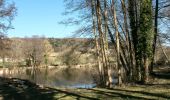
67	77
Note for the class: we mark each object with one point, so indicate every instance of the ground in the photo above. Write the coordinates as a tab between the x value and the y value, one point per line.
16	89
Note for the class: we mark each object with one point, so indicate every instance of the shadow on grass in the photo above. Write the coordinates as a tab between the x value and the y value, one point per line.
163	73
121	95
12	90
162	95
16	89
76	95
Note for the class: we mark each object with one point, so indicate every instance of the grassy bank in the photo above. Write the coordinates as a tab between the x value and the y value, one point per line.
130	92
17	89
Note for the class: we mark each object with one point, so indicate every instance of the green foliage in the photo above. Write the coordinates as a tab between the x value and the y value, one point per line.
141	23
146	29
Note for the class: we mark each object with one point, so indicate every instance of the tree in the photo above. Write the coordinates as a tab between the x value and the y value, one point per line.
117	43
133	48
48	50
7	13
146	33
5	48
16	51
142	35
155	34
36	51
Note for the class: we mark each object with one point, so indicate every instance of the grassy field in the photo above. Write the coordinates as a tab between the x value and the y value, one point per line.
127	93
16	89
143	92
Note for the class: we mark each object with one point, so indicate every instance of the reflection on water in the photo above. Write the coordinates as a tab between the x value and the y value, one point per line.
69	77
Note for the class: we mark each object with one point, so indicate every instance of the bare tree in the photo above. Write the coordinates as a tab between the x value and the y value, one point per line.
36	50
7	13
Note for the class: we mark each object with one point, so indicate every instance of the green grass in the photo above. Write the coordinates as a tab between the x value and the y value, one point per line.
9	90
143	92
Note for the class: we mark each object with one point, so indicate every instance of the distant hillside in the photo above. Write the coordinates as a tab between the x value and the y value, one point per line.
73	51
80	43
55	51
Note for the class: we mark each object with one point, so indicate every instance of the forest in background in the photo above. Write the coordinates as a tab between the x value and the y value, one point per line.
55	51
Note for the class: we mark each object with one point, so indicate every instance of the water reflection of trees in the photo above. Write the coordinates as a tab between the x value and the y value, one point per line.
54	77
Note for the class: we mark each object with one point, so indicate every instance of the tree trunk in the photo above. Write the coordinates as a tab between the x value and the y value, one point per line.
128	42
146	35
146	73
155	36
117	44
105	62
96	41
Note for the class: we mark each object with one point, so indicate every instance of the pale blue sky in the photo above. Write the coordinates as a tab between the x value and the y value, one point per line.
39	17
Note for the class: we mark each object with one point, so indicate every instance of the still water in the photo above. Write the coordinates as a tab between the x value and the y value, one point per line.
68	77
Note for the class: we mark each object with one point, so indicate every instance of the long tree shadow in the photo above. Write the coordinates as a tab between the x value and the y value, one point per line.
16	89
11	89
163	73
78	96
162	95
118	94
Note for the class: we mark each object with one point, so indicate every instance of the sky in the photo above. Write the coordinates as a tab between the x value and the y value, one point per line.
40	17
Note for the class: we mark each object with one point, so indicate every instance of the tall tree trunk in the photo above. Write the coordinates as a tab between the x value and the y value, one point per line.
108	67
155	36
128	41
102	42
117	44
146	36
133	17
96	41
106	24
